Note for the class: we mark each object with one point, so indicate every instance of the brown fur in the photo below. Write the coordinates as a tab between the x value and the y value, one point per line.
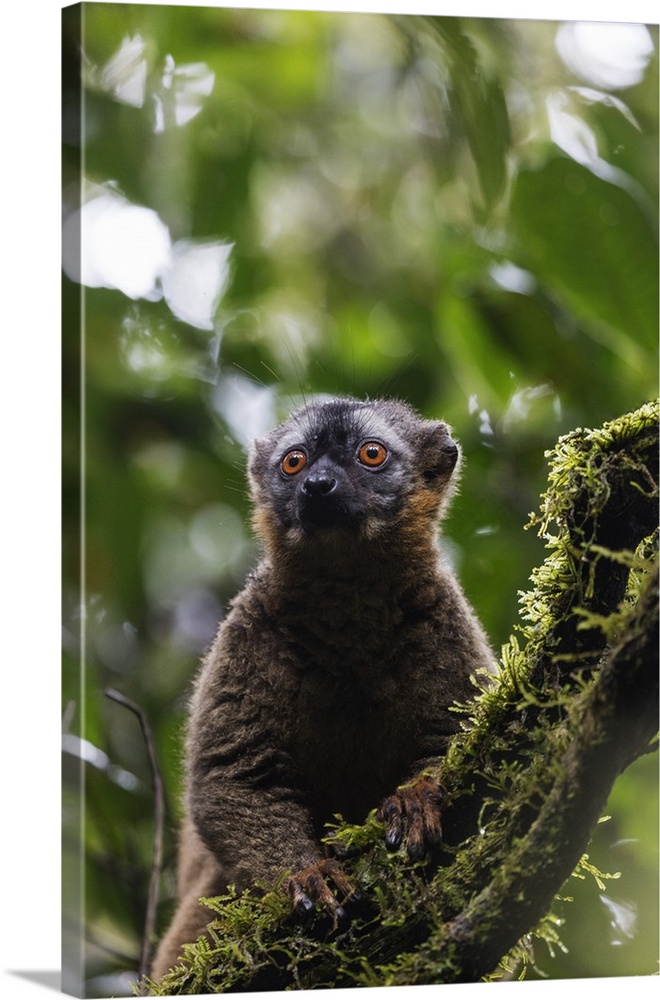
331	679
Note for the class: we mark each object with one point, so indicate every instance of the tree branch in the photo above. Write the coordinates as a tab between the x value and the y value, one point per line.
157	846
612	724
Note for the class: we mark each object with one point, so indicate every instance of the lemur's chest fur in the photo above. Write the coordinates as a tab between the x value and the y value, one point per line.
363	684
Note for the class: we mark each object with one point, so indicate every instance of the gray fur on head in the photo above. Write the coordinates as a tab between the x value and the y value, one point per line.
420	455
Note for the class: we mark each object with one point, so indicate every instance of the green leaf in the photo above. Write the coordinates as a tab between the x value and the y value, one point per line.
594	247
480	107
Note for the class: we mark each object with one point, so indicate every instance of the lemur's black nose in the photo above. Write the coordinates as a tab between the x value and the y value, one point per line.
319	485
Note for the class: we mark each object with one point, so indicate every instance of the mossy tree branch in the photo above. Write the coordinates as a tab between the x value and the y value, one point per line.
613	722
576	702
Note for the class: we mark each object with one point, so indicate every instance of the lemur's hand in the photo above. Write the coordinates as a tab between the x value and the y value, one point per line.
413	815
309	888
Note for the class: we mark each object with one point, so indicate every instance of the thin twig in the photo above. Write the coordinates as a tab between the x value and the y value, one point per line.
159	812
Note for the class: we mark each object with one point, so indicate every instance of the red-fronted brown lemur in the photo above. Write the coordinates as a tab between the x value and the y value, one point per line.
331	680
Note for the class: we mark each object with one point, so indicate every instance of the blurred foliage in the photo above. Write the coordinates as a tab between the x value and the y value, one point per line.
440	209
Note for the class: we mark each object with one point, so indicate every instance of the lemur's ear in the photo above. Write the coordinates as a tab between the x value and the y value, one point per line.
260	450
438	453
258	457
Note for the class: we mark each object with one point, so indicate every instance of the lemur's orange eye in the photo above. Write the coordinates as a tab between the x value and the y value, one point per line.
293	462
372	454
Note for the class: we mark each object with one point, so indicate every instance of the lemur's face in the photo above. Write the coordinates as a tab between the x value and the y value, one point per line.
349	466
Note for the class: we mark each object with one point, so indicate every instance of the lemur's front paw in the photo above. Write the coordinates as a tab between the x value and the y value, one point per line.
309	888
413	815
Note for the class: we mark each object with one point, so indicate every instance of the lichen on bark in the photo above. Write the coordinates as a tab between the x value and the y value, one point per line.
575	703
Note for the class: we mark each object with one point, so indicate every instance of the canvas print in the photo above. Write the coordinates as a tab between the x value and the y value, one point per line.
360	475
